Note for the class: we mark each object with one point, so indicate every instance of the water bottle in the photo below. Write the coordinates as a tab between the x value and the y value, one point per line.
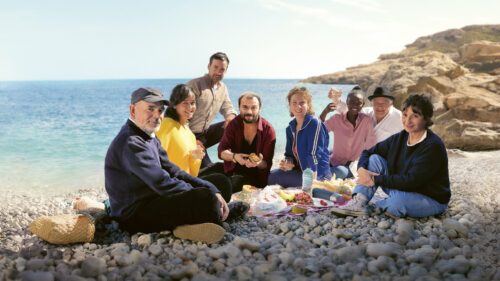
328	195
307	180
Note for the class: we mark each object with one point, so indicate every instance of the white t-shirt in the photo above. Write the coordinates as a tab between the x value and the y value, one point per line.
390	125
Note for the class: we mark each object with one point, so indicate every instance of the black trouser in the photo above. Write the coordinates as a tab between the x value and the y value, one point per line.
198	205
237	180
222	183
210	137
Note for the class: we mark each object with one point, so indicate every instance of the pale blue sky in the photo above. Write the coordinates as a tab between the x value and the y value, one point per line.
61	40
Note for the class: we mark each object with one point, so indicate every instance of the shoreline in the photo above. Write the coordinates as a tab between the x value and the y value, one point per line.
460	244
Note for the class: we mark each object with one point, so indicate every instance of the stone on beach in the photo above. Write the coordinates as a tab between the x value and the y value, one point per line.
382	249
93	267
460	244
452	224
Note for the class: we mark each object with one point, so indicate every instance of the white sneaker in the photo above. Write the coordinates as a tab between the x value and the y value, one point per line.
356	207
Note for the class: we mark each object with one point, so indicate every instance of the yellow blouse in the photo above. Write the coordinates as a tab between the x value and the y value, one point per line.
178	141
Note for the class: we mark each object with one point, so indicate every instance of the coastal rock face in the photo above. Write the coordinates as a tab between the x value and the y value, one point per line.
462	79
481	56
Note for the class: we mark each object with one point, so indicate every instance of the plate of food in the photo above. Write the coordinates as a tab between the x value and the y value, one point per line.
322	203
246	194
304	199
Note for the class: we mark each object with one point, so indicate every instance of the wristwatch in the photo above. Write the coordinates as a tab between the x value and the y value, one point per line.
234	155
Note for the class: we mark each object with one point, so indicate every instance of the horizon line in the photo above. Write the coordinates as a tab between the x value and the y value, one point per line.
111	79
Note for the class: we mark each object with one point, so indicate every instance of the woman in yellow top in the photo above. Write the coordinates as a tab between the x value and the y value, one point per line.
174	134
180	143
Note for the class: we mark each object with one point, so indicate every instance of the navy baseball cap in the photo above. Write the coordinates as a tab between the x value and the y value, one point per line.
148	95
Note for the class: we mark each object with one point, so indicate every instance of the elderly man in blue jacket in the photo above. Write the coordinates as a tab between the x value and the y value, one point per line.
148	193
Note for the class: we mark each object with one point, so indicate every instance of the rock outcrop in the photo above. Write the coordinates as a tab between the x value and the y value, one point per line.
457	69
481	56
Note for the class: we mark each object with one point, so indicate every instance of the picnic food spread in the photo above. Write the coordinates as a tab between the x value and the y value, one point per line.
303	198
287	195
273	200
298	210
343	187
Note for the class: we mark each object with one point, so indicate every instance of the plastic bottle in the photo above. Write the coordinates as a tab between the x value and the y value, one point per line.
328	195
307	180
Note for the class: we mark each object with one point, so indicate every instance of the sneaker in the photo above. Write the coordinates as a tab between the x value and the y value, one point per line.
237	210
204	232
85	203
356	207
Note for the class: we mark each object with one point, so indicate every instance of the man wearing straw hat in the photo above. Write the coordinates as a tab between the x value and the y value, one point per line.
386	118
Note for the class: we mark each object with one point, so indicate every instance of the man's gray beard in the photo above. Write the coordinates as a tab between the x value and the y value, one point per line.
151	131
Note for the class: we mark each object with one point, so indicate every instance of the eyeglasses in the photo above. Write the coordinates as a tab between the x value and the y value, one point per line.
297	88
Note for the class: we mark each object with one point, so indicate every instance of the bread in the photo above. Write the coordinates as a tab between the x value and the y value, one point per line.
254	157
248	188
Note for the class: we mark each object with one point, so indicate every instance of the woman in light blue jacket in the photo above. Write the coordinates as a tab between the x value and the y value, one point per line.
306	143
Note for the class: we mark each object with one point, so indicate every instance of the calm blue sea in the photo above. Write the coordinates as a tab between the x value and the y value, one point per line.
54	134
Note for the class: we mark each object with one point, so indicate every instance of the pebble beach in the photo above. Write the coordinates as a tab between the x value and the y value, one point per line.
461	244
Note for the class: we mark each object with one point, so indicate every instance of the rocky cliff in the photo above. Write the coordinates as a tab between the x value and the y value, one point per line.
459	69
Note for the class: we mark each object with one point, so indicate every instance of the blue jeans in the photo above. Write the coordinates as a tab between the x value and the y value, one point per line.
291	178
341	171
399	203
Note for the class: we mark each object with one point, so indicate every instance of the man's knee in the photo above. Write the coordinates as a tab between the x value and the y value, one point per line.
203	195
214	134
223	184
206	203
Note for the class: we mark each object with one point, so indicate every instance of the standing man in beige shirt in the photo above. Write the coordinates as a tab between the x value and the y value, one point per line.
211	97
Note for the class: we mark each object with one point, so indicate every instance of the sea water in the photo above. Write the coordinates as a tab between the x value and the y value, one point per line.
55	134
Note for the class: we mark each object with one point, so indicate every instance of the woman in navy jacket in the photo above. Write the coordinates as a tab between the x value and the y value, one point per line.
411	167
306	143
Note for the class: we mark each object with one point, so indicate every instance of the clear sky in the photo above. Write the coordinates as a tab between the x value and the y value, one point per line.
61	40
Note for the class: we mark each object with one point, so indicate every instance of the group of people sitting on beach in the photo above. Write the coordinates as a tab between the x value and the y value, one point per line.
159	177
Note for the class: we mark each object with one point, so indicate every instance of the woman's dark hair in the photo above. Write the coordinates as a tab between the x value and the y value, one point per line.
178	95
422	105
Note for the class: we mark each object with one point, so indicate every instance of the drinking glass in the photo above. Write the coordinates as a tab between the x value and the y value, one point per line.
287	163
197	153
335	95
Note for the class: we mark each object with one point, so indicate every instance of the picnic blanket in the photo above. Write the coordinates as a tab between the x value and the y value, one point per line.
267	202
